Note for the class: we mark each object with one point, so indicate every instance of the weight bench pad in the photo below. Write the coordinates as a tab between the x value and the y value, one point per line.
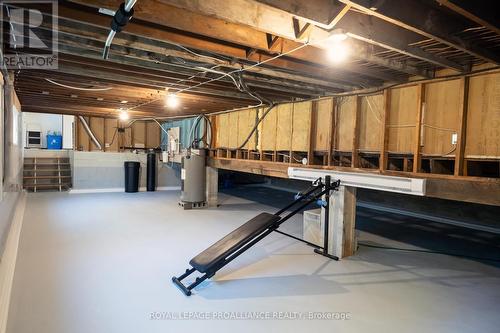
232	242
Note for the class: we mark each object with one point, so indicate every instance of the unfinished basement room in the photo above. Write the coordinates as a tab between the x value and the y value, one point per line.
249	166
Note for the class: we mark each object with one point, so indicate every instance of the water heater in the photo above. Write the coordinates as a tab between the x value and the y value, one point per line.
193	194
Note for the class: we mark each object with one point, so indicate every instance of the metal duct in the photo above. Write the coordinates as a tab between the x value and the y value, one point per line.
89	132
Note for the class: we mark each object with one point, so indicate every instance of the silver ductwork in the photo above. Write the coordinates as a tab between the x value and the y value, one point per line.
89	132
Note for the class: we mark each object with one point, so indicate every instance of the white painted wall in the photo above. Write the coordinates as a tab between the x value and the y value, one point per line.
43	122
67	131
11	156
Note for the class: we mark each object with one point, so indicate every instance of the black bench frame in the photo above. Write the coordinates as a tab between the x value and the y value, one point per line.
312	194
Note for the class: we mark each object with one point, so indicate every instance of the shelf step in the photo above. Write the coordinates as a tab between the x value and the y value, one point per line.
44	185
45	177
41	164
47	170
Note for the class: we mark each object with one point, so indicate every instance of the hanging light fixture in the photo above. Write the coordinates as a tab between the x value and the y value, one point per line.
123	114
338	51
171	100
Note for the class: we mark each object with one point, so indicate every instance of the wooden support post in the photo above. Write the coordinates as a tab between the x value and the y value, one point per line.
312	132
462	127
146	134
417	156
104	136
290	159
342	235
212	186
132	140
77	133
213	131
331	128
355	138
384	142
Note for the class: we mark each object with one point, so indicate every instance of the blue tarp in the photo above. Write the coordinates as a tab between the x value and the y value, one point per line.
185	126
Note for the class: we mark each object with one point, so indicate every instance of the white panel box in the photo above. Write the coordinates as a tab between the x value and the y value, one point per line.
313	226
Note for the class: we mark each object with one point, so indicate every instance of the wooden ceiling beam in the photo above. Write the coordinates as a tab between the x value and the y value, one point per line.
381	33
484	13
73	18
249	36
318	12
274	21
426	21
361	27
159	55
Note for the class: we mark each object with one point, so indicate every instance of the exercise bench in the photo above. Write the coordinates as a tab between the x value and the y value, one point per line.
244	237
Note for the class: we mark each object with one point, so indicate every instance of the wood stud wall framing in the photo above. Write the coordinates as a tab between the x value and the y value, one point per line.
404	129
139	135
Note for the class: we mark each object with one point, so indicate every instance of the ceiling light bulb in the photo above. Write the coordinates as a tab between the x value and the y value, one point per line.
123	115
172	101
338	52
337	35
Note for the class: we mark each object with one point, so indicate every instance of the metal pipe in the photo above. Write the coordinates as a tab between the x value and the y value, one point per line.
129	4
89	132
107	45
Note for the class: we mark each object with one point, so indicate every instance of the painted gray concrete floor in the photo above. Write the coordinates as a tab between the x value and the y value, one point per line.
103	263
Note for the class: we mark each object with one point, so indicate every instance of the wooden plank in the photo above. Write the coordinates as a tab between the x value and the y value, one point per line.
469	189
111	134
402	113
232	130
440	121
355	137
342	238
223	130
384	129
138	134
462	127
487	193
370	121
268	130
246	122
417	157
97	126
301	126
331	127
345	123
322	124
311	133
283	127
153	134
483	119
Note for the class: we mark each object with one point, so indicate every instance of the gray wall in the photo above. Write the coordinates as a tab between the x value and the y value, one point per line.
104	170
11	156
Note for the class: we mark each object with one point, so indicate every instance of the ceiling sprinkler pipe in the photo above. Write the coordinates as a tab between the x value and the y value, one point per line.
120	19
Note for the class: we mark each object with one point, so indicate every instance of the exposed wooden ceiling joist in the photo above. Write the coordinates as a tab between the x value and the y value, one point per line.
483	12
273	20
217	23
426	21
322	13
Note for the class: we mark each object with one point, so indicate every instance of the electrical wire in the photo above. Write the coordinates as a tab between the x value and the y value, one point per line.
427	251
256	125
77	88
243	69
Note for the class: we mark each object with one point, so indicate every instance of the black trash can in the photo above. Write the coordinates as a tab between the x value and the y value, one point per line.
132	176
